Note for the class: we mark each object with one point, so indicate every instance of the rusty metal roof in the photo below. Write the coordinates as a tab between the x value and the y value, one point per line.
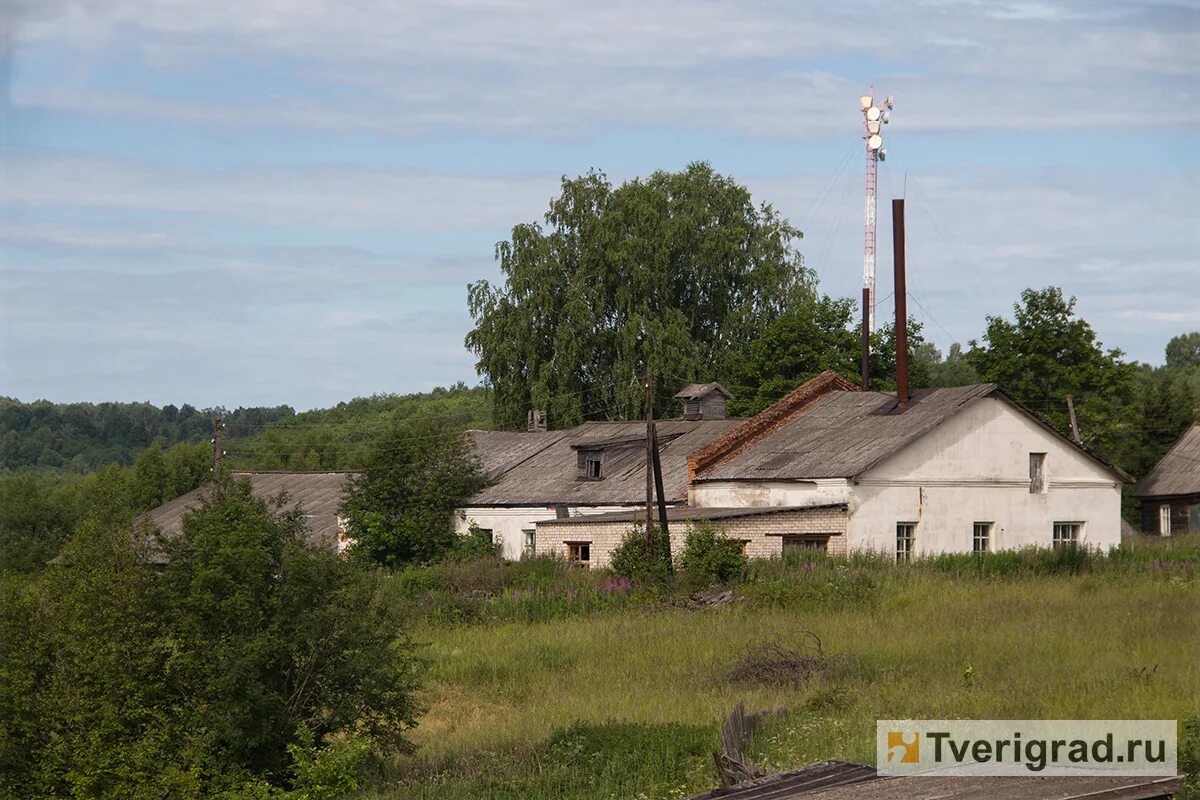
842	434
1179	471
543	471
841	780
318	493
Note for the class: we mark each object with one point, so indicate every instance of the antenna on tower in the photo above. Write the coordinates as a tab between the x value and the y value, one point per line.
875	116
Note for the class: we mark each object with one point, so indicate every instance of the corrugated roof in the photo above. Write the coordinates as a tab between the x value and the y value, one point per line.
797	782
840	780
685	513
1073	787
1179	471
548	475
842	434
500	451
319	493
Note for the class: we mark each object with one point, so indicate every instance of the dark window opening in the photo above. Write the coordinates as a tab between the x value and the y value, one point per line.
579	553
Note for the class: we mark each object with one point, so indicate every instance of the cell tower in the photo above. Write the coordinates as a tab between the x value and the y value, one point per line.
875	116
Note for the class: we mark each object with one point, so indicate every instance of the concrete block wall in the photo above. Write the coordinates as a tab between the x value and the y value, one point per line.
762	532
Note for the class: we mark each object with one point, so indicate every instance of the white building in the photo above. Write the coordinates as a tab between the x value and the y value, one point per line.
594	468
831	467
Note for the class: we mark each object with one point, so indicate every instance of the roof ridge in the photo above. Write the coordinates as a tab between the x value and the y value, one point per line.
766	421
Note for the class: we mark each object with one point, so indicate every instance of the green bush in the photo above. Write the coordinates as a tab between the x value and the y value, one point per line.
644	565
196	678
709	557
475	543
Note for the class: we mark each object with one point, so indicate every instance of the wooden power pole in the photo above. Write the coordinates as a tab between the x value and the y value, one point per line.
649	457
1074	422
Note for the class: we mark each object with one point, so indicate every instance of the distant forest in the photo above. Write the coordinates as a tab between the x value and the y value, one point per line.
82	437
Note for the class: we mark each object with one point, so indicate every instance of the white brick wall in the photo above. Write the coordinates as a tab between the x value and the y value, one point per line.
763	532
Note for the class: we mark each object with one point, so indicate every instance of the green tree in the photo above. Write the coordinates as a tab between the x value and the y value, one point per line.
680	270
814	336
953	370
401	509
1184	350
1046	353
250	656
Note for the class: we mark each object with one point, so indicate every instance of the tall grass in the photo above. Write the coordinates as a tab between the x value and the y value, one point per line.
640	684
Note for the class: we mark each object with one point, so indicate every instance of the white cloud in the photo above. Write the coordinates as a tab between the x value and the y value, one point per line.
553	67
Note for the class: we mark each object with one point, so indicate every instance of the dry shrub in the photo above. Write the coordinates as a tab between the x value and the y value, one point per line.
775	662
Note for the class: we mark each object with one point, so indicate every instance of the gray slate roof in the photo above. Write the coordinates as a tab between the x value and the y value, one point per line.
686	513
694	390
500	451
547	474
1179	471
319	493
844	434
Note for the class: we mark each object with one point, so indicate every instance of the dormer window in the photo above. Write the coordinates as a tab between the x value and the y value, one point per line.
591	465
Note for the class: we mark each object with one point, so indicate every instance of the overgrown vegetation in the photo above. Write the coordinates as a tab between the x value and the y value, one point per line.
402	507
1029	634
248	664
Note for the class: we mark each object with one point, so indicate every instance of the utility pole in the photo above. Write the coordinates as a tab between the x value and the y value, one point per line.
658	488
218	426
1074	422
874	116
649	457
901	293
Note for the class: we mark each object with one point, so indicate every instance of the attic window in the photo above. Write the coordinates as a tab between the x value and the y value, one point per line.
1037	473
590	468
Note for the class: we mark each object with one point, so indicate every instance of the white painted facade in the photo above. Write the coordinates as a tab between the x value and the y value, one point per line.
974	467
508	524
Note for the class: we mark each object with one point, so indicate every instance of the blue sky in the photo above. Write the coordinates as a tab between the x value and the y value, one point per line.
282	201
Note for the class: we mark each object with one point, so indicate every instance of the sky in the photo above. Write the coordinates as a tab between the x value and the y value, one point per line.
283	201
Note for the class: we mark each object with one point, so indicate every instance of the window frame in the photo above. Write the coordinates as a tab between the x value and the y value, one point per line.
528	542
986	536
909	538
804	542
1164	519
593	469
584	549
1057	541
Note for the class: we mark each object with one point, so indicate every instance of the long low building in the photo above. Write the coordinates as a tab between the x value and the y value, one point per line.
592	469
830	467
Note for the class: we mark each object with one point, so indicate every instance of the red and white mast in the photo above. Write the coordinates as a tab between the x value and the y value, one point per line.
874	117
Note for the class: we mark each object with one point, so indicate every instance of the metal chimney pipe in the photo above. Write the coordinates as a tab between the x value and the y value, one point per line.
901	301
866	339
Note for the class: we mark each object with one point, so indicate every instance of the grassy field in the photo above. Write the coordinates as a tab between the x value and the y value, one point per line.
623	698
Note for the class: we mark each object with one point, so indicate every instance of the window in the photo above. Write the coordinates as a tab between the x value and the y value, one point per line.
981	537
745	546
906	534
1037	473
1066	534
579	553
805	543
488	533
589	465
528	542
1164	519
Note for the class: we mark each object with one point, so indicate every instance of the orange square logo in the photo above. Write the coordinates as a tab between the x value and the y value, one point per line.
903	748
